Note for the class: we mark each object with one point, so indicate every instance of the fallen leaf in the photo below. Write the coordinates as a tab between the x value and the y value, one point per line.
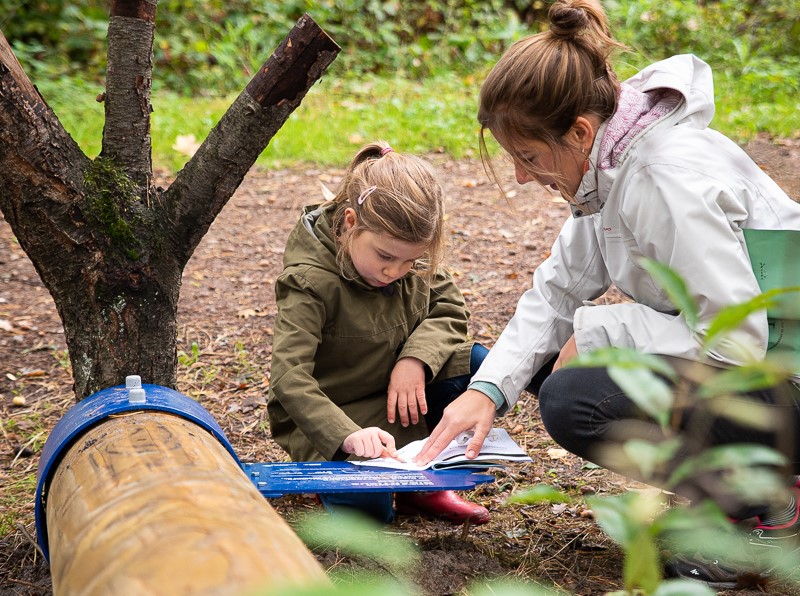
557	453
32	373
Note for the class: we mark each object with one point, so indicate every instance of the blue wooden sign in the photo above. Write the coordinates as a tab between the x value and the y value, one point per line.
276	479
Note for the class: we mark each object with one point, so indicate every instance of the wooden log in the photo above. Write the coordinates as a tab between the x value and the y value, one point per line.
150	503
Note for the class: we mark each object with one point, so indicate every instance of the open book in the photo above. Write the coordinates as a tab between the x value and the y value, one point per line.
497	448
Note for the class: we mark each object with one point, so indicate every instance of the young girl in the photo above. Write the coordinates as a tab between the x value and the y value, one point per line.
644	176
370	340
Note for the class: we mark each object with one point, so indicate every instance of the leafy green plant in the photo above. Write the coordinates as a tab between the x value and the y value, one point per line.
637	522
191	358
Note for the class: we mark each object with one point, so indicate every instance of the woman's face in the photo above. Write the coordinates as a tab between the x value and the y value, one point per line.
559	168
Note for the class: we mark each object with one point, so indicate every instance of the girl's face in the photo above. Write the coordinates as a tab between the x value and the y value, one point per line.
381	259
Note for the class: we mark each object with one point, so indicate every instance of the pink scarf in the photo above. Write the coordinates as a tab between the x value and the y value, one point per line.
635	112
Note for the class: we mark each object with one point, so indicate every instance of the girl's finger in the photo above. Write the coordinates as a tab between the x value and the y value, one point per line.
388	440
391	406
376	446
402	408
422	402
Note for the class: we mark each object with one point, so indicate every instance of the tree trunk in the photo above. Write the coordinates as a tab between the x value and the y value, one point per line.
110	247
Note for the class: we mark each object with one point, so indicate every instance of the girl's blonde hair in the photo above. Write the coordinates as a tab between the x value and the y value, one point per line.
543	83
399	197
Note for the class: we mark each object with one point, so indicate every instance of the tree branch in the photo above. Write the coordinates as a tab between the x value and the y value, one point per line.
205	185
41	172
126	134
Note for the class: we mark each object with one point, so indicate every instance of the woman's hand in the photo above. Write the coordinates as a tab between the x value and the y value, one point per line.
470	410
370	442
407	391
568	352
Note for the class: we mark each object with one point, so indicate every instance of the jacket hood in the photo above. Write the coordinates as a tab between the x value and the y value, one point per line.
689	76
678	90
311	242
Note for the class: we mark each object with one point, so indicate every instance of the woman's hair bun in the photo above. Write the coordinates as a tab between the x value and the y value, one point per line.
567	19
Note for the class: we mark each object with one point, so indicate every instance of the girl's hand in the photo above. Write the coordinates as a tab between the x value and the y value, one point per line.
407	391
568	352
370	442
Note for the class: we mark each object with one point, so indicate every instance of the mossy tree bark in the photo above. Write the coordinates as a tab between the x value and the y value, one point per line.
108	245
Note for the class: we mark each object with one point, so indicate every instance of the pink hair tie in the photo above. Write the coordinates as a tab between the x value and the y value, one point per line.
386	150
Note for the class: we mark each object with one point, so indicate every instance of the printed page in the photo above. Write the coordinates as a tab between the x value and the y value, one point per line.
497	447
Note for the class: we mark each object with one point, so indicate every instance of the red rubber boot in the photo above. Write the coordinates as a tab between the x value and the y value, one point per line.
442	504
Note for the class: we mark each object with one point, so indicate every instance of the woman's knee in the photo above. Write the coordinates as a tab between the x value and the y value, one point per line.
557	406
578	405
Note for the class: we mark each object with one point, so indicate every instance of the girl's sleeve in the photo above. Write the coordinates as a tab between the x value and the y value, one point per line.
542	322
444	328
688	220
297	336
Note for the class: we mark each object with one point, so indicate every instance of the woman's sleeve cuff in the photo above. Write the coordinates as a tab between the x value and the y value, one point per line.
491	391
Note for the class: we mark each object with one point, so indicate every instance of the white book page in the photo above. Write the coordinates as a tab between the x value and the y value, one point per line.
497	447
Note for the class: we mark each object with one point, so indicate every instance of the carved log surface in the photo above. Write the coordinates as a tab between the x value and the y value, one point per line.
150	503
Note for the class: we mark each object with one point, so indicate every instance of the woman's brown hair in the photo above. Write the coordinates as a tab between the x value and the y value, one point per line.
543	83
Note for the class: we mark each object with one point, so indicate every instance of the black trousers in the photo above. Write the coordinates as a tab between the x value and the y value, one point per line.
588	414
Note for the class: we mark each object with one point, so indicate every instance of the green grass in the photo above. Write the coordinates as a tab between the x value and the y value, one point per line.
333	121
437	114
16	496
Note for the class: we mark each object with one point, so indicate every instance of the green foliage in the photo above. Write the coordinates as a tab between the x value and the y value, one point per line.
641	524
541	493
358	535
675	288
408	72
209	46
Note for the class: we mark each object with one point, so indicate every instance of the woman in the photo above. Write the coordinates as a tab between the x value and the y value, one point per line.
645	178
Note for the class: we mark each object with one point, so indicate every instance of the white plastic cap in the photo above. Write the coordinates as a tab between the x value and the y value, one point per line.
132	381
136	395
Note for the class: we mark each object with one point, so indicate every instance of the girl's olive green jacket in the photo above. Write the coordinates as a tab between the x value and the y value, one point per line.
336	342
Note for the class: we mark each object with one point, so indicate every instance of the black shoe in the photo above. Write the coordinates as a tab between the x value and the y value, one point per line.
766	548
708	571
777	544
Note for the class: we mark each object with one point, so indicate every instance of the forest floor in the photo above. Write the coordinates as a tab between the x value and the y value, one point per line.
226	314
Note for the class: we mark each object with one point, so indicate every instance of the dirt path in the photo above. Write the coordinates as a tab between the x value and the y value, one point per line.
226	315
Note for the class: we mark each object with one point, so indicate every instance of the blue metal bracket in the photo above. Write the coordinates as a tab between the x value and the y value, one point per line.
99	406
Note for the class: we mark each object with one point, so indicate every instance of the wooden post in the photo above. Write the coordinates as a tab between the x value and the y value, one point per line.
147	502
